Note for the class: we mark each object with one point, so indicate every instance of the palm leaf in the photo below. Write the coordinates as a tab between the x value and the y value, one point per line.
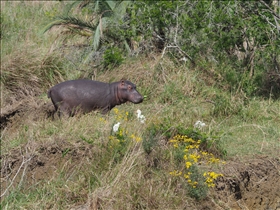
111	4
98	32
120	9
71	22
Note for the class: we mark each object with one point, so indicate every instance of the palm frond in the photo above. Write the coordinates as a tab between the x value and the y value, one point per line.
71	22
121	8
98	32
69	7
111	4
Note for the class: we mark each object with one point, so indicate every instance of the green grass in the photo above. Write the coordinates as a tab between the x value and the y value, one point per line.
88	167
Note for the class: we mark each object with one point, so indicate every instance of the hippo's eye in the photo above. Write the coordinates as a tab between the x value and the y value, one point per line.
129	87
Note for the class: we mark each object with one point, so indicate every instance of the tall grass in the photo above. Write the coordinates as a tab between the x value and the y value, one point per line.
29	64
90	165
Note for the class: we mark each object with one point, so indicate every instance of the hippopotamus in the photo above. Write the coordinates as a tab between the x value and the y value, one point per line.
84	95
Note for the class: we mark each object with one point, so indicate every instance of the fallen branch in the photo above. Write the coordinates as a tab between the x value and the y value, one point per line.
183	52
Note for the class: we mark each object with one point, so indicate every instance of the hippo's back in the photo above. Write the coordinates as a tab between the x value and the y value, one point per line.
80	86
87	94
83	84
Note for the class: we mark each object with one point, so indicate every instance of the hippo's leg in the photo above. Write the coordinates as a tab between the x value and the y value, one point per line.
106	110
63	110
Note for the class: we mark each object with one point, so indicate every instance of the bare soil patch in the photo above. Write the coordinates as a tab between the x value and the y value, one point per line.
250	184
41	162
17	110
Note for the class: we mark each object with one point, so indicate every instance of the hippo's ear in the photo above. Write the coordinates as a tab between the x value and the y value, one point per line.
122	81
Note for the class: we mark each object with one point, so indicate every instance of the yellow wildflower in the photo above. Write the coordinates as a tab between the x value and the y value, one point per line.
204	153
188	164
175	173
173	141
186	176
116	111
136	138
213	159
190	146
121	132
210	184
194	157
210	177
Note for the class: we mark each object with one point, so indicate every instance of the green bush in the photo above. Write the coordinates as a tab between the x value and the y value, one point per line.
112	58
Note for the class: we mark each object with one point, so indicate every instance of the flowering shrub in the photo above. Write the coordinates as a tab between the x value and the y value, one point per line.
140	117
116	127
199	124
120	115
120	137
188	150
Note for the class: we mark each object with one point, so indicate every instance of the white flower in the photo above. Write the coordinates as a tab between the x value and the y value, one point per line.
199	124
116	127
140	117
138	113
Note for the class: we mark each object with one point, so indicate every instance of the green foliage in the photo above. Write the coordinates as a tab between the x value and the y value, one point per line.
75	24
118	146
209	142
156	131
241	35
171	93
235	34
88	140
200	190
121	139
189	152
167	129
150	138
223	106
95	19
112	58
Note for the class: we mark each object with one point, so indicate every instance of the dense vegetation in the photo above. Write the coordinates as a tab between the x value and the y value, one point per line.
240	39
209	72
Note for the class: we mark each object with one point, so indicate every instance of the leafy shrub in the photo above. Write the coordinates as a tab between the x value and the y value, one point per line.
120	138
188	151
112	58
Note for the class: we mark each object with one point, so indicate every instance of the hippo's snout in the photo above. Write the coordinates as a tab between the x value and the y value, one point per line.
135	97
138	100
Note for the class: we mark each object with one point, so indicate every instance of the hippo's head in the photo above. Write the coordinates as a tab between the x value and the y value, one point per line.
127	92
